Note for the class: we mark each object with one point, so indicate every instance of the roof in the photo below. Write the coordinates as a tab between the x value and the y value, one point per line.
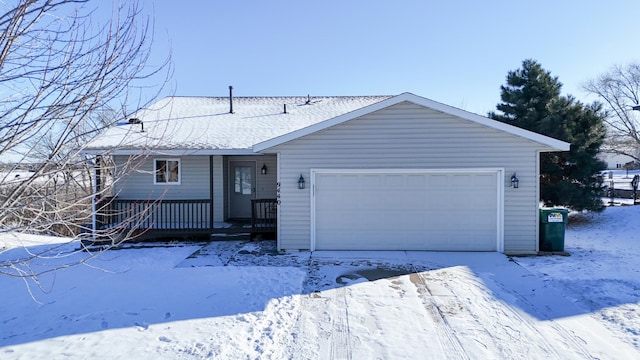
204	125
551	143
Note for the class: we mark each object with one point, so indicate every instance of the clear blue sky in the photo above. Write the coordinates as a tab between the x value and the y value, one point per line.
455	52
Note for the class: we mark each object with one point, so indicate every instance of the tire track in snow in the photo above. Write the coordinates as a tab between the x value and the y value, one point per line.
494	326
571	340
446	336
513	330
340	334
567	338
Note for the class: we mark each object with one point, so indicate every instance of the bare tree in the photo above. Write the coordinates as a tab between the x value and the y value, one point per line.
61	71
619	89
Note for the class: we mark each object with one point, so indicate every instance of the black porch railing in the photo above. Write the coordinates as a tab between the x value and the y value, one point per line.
156	215
264	217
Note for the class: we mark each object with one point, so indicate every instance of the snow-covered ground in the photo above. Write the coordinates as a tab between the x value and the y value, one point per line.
235	300
602	275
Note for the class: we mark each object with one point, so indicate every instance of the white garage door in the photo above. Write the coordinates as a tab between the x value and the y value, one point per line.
407	210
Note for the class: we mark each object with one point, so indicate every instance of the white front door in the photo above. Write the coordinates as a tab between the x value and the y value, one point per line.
242	182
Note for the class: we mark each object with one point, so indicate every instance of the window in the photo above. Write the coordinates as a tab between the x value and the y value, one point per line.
167	171
242	181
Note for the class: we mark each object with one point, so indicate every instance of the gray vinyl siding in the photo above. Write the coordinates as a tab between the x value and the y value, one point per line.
138	181
411	137
266	187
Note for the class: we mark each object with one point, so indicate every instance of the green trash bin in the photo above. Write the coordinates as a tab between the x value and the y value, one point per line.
552	226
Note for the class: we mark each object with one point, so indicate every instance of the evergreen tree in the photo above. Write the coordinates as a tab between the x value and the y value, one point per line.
531	100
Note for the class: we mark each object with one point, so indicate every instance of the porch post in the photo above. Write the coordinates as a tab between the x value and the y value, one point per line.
98	176
211	207
97	184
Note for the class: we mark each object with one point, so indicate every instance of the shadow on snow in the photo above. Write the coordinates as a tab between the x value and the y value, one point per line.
176	282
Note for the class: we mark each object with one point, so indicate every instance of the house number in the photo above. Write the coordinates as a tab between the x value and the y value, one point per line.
278	192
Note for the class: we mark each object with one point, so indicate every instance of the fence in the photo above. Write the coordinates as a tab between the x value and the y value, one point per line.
157	215
264	217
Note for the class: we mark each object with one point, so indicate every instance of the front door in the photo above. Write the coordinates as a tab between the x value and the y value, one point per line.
242	178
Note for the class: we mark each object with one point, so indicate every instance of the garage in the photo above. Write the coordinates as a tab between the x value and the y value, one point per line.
408	173
442	210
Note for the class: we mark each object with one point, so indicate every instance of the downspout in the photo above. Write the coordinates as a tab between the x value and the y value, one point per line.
278	208
537	239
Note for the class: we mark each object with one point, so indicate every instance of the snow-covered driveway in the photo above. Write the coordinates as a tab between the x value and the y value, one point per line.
230	301
447	306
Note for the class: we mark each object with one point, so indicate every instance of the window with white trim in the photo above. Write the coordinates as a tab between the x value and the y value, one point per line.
167	171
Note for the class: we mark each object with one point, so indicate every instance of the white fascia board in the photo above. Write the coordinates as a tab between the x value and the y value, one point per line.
456	170
551	143
170	152
554	144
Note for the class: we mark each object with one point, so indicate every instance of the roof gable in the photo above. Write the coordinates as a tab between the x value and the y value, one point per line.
551	143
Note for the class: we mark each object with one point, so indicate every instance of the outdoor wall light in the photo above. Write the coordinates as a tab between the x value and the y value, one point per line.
263	171
514	181
301	182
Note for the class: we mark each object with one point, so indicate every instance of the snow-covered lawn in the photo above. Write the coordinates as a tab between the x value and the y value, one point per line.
602	275
236	300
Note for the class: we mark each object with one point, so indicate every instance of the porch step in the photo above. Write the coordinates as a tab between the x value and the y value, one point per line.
231	236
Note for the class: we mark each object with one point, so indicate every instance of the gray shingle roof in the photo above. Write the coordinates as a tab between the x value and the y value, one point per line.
204	123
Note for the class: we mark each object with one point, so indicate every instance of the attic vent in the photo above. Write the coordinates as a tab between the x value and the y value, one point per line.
137	121
311	102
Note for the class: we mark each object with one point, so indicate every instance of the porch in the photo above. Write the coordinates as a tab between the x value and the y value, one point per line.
153	219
